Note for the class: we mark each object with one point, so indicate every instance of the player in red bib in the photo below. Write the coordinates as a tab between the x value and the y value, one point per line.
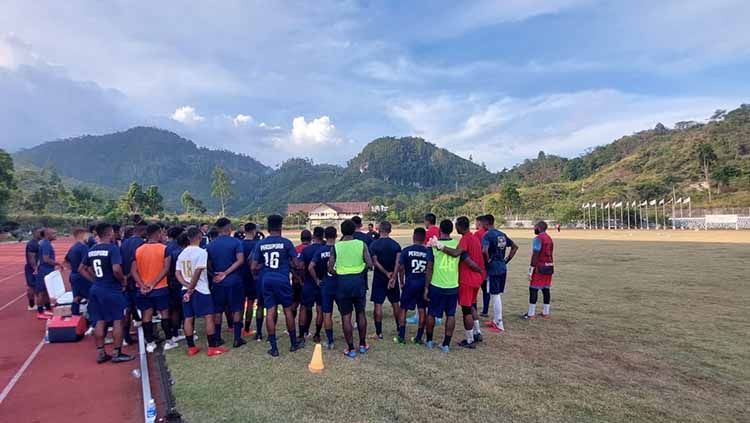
481	229
432	230
540	271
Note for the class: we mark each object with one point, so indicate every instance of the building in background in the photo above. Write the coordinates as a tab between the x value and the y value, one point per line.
319	214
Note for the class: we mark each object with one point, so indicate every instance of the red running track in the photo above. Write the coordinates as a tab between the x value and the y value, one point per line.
60	383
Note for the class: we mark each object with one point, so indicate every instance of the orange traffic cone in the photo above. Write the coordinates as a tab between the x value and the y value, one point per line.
316	364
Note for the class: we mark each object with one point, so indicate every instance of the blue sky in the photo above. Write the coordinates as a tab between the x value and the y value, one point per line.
498	80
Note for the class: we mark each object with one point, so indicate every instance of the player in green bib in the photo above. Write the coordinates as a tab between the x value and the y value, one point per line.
349	258
441	285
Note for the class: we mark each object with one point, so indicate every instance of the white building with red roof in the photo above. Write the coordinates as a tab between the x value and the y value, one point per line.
329	213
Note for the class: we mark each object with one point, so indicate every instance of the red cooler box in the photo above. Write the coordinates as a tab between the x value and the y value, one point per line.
66	329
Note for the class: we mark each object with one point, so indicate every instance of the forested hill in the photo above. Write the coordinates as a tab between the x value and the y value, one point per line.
150	156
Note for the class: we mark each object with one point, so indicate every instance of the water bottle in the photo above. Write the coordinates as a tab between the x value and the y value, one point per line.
151	412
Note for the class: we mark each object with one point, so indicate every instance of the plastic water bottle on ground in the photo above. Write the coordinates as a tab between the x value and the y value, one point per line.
151	412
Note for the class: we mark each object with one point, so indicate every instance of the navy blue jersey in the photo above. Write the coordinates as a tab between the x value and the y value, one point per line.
173	250
274	253
76	255
414	259
127	252
496	242
385	249
32	247
248	245
306	256
367	239
91	241
222	253
46	250
322	254
101	258
204	241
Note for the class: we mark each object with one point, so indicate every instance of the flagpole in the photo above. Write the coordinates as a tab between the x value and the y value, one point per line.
628	206
656	215
648	227
674	199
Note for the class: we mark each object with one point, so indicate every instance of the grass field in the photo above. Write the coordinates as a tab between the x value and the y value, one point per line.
641	331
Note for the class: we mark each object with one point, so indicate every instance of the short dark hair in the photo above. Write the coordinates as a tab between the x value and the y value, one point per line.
305	235
92	227
183	240
542	225
419	235
222	223
152	229
348	227
330	233
275	222
175	231
430	217
250	226
139	229
128	232
318	232
357	221
193	233
116	227
385	226
102	229
489	219
462	222
446	226
203	224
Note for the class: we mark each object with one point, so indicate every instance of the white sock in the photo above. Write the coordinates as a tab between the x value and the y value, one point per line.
545	309
469	335
477	327
497	308
532	310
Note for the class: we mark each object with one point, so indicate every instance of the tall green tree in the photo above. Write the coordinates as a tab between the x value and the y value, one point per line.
134	199
706	156
221	188
510	197
6	181
191	204
153	201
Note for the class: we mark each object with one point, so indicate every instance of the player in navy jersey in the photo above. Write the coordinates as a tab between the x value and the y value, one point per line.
91	240
251	291
385	253
272	260
318	269
494	245
127	253
413	264
225	259
362	236
103	265
46	265
73	259
32	261
310	290
173	250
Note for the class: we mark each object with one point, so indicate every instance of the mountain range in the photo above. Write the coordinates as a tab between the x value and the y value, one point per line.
647	164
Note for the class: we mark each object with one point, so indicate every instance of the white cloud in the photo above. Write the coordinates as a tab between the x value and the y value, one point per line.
187	115
317	131
241	120
505	130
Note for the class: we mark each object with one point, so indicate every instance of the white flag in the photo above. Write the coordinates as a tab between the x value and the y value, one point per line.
618	204
643	203
634	204
679	201
685	201
607	206
661	202
593	205
585	206
652	203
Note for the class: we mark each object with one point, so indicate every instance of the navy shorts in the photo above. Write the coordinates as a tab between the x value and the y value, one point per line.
79	285
311	294
175	294
106	304
231	297
277	290
250	291
442	301
328	294
380	292
39	285
413	295
30	278
157	299
497	283
350	294
200	305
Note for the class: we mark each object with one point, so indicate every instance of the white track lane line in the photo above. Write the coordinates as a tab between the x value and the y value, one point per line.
12	301
21	371
11	276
